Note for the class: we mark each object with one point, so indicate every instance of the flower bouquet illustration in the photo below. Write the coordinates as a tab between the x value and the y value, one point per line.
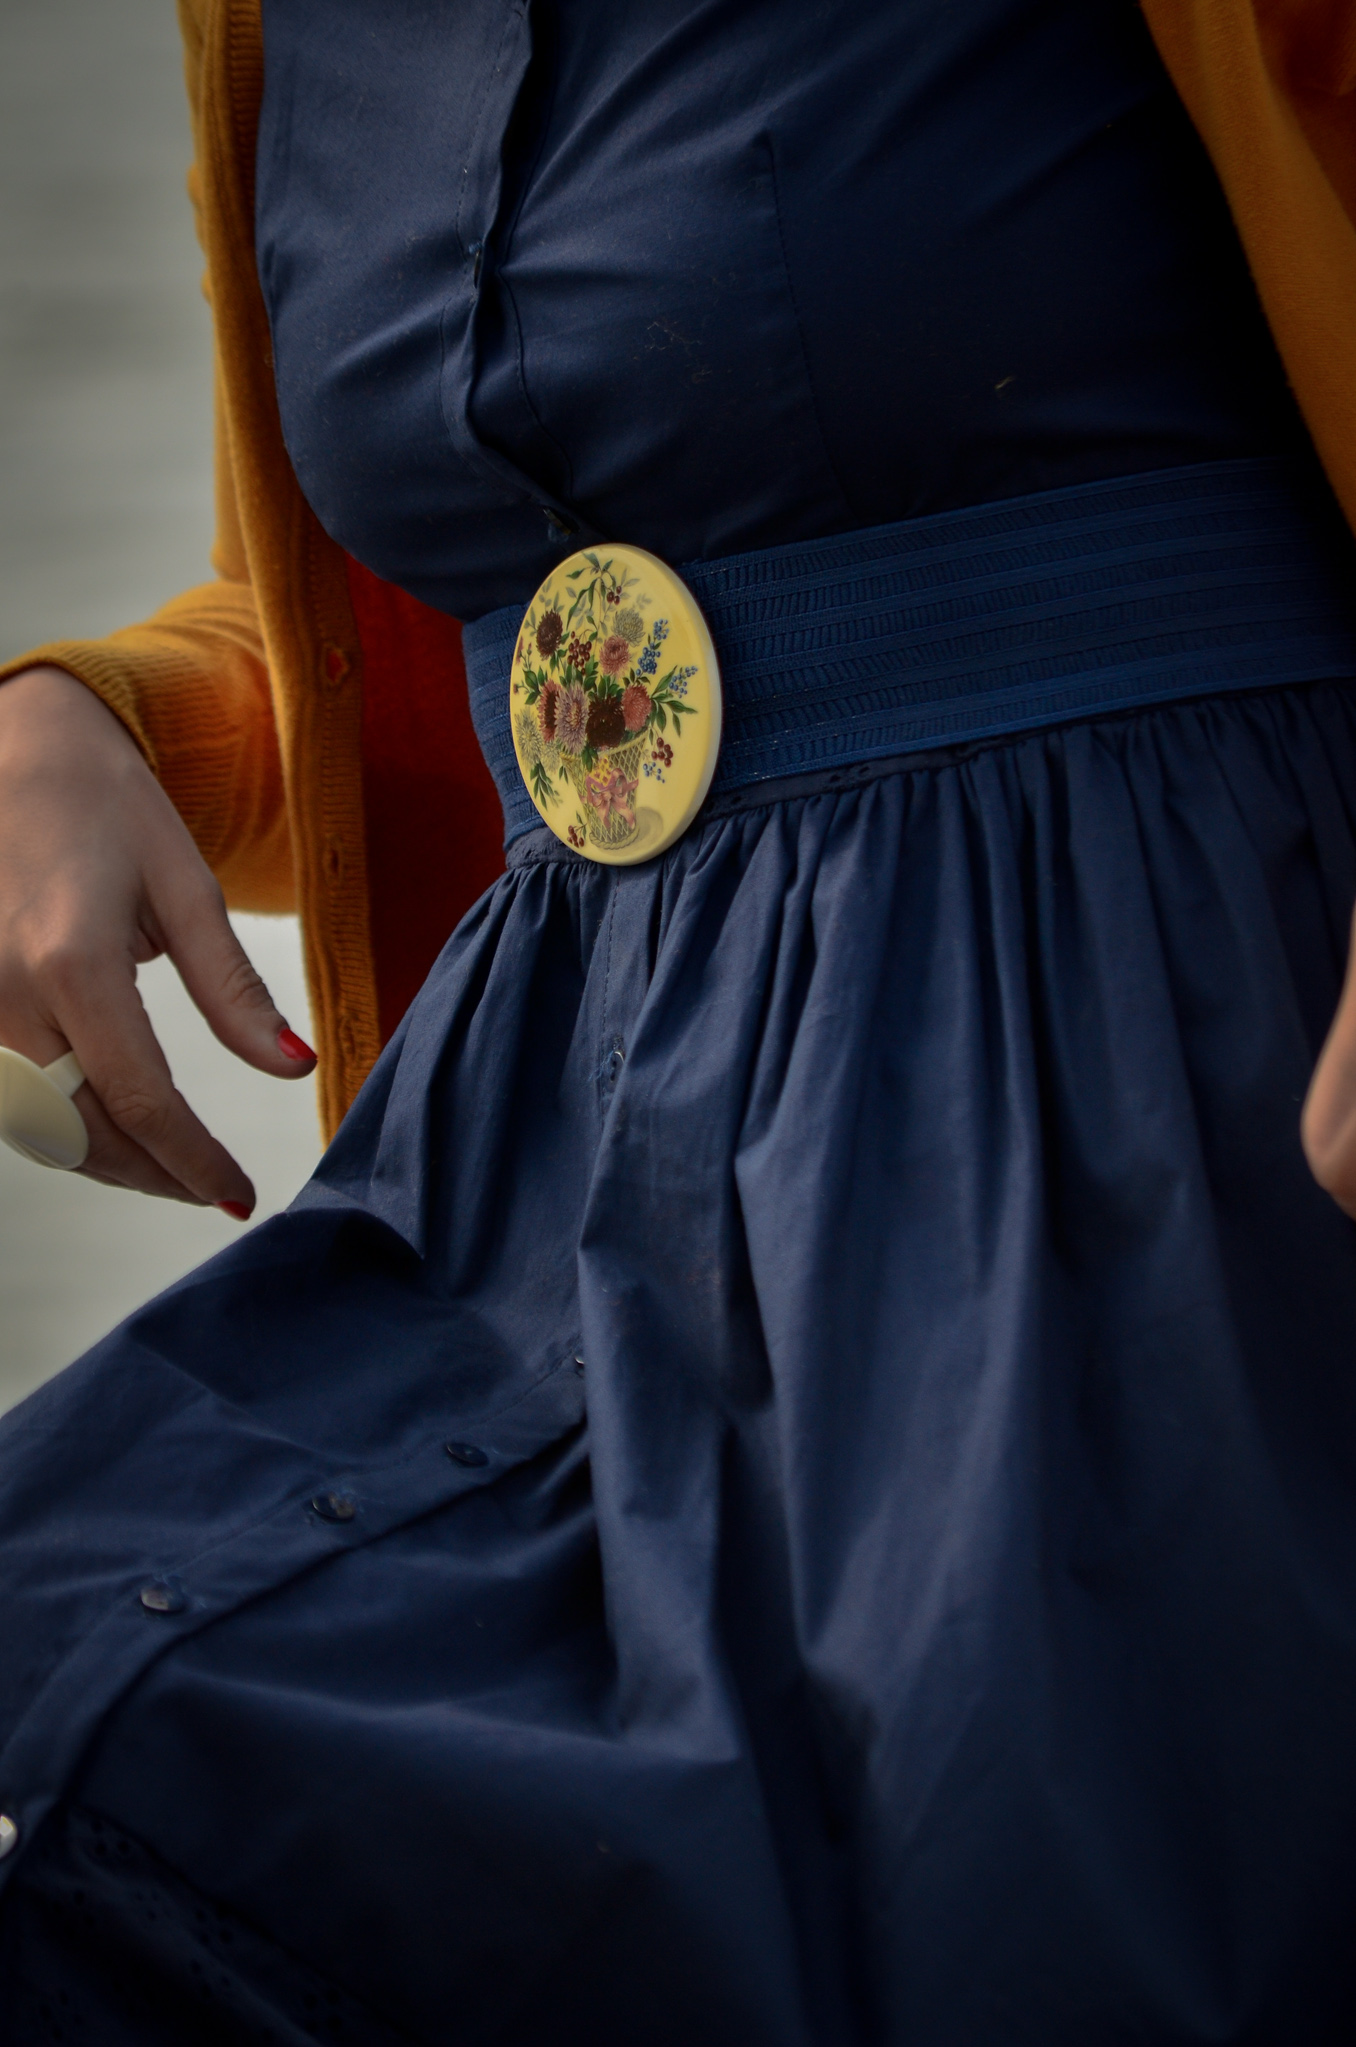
596	713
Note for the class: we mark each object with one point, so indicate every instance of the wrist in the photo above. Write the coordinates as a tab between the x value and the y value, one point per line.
45	701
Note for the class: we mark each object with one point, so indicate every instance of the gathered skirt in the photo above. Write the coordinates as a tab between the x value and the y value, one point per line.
790	1482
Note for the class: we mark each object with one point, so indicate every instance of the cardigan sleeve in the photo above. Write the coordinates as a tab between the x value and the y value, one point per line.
192	686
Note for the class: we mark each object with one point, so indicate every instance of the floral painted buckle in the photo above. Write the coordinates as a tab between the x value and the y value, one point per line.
615	704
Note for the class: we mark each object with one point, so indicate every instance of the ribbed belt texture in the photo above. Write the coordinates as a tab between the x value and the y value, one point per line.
999	618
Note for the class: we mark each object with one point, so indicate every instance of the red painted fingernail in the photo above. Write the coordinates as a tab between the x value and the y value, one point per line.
237	1209
293	1046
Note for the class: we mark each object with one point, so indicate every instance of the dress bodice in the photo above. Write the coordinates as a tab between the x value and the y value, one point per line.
715	274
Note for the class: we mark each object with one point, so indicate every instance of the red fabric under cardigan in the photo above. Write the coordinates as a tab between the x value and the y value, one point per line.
433	819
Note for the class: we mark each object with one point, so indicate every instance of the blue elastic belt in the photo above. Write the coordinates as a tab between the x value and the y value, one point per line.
1031	611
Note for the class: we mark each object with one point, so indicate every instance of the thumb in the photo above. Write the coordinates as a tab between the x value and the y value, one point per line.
220	976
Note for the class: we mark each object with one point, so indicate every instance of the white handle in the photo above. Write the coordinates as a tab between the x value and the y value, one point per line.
67	1072
38	1119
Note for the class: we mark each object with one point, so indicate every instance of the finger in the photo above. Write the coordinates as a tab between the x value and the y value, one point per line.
220	976
1328	1124
115	1161
99	1011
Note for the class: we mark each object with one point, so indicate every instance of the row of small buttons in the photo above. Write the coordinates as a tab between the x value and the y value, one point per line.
165	1596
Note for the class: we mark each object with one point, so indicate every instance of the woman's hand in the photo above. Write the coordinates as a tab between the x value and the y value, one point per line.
97	874
1328	1125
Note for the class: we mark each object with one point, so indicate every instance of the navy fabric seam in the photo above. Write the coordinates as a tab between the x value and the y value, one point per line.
464	438
516	11
503	256
607	988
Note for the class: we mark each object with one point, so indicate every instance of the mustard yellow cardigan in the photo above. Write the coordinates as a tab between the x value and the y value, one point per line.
247	694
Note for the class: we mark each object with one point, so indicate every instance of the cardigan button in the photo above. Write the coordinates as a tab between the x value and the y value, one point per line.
467	1453
334	664
9	1835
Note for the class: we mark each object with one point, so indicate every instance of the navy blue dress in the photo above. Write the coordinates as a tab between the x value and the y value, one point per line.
792	1477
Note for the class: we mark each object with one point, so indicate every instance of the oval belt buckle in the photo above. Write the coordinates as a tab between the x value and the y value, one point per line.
615	704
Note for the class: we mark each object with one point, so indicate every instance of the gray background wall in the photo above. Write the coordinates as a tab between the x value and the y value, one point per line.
105	510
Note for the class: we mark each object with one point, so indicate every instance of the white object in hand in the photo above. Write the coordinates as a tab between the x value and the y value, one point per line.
37	1116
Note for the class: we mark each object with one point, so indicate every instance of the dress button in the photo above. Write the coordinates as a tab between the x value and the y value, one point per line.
9	1835
466	1453
334	1506
162	1597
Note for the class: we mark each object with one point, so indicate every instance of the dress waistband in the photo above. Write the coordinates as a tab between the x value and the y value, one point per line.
999	618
